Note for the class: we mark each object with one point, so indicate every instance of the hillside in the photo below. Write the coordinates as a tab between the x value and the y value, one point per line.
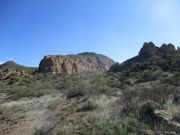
151	60
11	65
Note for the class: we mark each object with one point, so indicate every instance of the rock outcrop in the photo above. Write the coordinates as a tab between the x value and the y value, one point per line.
150	49
170	48
73	64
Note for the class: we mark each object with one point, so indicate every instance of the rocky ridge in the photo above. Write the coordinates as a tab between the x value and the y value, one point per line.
166	57
11	68
151	49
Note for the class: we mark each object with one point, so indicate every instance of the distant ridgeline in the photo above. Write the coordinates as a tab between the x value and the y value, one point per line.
151	57
165	58
13	66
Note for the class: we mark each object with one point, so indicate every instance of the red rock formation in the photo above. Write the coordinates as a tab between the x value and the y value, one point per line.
72	64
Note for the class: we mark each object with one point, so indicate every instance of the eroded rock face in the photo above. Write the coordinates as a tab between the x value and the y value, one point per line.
73	64
149	49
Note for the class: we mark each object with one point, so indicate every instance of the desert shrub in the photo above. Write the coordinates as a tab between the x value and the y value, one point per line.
42	131
3	113
88	106
105	89
129	102
75	93
115	83
146	113
149	75
91	89
53	105
157	73
14	78
26	80
128	82
126	126
176	99
158	93
62	132
20	92
173	80
149	107
46	128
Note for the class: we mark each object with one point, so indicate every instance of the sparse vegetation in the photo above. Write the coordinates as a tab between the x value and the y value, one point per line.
127	126
133	99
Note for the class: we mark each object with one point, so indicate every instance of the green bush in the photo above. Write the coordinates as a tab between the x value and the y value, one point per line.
21	92
75	93
173	80
147	112
14	78
127	126
26	80
128	82
148	107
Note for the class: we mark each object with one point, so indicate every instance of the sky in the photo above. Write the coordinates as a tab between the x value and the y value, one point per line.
31	29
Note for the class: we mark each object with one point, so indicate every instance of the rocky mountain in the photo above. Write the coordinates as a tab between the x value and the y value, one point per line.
72	64
165	58
11	67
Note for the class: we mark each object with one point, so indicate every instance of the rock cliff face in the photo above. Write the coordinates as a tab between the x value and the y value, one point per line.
73	64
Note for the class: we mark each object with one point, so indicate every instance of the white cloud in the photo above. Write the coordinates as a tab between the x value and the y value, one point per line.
166	11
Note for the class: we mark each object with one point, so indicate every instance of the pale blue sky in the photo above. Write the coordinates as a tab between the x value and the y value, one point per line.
30	29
